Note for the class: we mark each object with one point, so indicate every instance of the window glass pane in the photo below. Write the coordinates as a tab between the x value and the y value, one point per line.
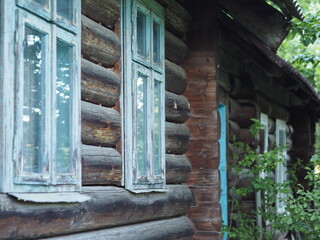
156	42
43	4
142	125
157	128
63	111
65	9
33	100
141	34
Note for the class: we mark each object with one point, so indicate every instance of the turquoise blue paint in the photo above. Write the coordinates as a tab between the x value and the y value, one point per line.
223	166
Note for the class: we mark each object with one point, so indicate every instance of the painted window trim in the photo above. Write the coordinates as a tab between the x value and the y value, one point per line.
133	62
14	18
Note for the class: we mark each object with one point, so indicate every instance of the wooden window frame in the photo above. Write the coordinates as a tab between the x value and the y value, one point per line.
15	18
133	63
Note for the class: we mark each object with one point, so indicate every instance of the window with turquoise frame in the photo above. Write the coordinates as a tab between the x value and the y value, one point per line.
46	97
143	94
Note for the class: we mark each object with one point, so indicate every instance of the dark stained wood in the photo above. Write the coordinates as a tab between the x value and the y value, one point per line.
180	228
176	78
177	108
265	22
99	44
234	131
177	18
177	138
108	207
100	126
178	168
234	109
176	50
98	84
106	12
103	166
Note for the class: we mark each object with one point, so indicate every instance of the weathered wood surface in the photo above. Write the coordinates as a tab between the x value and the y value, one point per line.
176	50
106	12
99	44
234	131
103	166
98	84
108	207
234	109
177	108
177	18
176	78
180	228
177	138
100	125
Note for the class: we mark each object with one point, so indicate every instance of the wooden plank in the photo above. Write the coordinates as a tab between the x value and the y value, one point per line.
106	12
177	108
98	84
108	207
176	50
180	228
100	126
103	166
176	78
99	44
177	138
177	18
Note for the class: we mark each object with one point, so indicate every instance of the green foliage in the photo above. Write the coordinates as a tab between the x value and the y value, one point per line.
302	205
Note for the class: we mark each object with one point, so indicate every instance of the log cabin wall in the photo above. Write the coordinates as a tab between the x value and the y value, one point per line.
201	91
145	216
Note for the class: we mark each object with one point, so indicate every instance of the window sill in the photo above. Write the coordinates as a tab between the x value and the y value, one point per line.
51	197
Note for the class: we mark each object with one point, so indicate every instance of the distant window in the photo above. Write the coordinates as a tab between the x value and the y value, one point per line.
47	95
143	95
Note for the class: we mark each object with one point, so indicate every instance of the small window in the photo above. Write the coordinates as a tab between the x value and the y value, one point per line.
143	95
46	113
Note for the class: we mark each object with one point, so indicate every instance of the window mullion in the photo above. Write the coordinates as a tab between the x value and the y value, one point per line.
150	130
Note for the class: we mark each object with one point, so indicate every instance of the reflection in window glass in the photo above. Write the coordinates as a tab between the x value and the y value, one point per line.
63	111
141	125
33	100
42	3
142	34
157	128
65	9
156	43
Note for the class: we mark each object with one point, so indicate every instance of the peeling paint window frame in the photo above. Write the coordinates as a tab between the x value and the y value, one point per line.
135	64
16	18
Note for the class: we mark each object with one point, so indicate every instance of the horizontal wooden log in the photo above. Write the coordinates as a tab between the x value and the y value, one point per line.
103	166
234	131
178	168
246	113
108	207
177	108
177	18
106	12
177	138
99	44
234	109
176	50
180	228
99	126
98	84
176	78
224	79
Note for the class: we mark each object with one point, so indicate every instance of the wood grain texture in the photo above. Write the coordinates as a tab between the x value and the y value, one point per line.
177	138
180	228
176	78
177	18
99	44
176	50
100	126
106	12
108	207
103	166
177	108
99	85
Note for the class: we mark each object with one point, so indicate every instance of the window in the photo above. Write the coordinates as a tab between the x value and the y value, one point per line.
143	95
46	109
281	170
